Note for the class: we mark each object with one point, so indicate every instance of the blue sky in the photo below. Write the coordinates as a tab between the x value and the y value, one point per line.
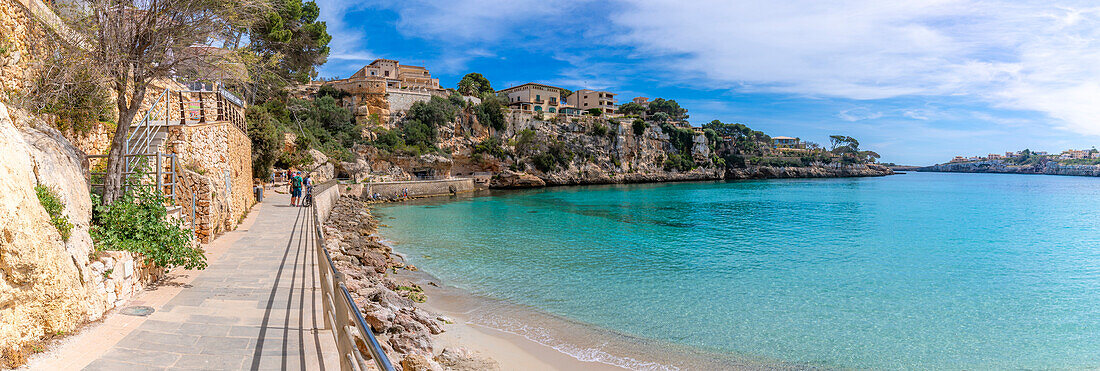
916	81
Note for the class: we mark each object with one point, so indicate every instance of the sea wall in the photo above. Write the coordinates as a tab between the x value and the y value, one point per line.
420	188
1046	168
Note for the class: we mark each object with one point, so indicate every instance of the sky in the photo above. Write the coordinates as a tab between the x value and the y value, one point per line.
916	81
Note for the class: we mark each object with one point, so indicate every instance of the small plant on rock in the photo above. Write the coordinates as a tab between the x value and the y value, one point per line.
54	207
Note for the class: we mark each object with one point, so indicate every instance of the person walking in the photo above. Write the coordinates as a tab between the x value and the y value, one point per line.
308	183
295	189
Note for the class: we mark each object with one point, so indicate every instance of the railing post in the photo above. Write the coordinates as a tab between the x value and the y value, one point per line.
183	108
202	109
160	175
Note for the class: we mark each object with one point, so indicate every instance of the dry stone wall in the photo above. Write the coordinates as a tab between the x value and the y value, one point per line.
217	164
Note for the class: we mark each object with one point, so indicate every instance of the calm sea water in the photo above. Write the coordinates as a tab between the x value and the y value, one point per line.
922	270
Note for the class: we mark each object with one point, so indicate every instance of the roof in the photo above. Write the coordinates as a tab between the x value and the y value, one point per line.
544	86
783	138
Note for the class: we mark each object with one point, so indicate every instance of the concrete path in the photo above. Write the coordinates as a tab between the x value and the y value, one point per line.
257	306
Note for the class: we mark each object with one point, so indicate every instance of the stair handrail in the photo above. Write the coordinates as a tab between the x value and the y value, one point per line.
142	132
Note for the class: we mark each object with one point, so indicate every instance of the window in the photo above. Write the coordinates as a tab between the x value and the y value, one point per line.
538	108
538	97
586	104
387	73
372	73
552	110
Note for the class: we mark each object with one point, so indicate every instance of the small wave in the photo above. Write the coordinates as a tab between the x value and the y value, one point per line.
542	336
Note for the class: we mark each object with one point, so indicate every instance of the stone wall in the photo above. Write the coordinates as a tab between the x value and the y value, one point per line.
401	100
422	188
17	35
217	168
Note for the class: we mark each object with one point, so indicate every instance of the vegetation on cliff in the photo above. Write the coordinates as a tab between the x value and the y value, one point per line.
139	223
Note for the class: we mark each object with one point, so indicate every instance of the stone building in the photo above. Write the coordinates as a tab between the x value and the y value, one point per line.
586	99
535	97
386	88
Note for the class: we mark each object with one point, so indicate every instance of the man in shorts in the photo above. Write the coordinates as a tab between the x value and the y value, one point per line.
295	189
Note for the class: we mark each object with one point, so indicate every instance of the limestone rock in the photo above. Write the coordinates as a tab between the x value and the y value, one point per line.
512	179
41	289
462	359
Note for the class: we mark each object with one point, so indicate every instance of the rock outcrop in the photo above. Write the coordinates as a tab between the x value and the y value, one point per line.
43	290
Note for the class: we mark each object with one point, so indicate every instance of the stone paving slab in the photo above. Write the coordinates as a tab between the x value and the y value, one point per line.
257	306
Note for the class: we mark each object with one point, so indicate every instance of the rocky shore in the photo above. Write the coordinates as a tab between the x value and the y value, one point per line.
1045	168
512	179
389	303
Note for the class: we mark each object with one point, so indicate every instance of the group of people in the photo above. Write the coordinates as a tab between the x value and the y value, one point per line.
297	184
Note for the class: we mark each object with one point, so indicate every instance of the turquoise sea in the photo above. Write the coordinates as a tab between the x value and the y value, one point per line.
913	271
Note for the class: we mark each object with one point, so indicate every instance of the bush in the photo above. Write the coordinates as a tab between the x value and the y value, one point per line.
678	162
491	113
138	223
54	207
599	130
556	155
639	126
491	146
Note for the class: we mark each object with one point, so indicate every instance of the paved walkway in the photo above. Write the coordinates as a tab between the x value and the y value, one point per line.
257	306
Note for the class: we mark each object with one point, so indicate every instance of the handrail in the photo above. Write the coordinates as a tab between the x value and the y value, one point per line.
343	312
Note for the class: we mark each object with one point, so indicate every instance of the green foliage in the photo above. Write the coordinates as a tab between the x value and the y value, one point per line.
291	35
599	130
267	140
679	162
660	117
138	223
632	109
54	207
743	138
682	139
491	146
639	126
491	112
668	107
595	112
775	162
474	84
556	155
525	142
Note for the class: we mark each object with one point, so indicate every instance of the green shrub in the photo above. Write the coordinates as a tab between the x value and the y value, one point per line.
678	162
639	126
544	162
54	207
138	223
491	146
599	130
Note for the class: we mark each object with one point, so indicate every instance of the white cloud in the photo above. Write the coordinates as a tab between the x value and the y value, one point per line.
347	42
858	114
1018	55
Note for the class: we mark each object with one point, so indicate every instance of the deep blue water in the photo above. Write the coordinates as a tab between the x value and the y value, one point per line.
922	270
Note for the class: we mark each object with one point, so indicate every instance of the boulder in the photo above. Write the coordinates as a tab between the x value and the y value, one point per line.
462	359
512	179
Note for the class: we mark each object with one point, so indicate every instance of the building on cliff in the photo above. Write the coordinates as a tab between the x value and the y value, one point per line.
536	97
387	88
586	99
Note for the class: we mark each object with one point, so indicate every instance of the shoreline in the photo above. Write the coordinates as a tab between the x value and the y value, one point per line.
521	337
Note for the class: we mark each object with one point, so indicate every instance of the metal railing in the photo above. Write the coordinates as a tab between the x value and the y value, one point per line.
342	315
162	174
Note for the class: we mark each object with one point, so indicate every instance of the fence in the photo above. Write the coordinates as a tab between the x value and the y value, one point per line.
341	314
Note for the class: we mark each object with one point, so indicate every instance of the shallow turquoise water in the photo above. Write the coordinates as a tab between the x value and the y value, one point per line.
922	270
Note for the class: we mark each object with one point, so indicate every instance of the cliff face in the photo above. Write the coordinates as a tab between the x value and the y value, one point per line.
1048	168
44	288
590	150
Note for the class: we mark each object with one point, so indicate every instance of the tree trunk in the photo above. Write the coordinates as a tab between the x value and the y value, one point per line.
116	164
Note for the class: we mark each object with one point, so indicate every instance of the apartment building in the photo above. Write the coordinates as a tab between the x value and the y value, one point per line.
586	99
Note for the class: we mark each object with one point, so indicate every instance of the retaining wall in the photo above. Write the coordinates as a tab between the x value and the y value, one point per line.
420	188
324	198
